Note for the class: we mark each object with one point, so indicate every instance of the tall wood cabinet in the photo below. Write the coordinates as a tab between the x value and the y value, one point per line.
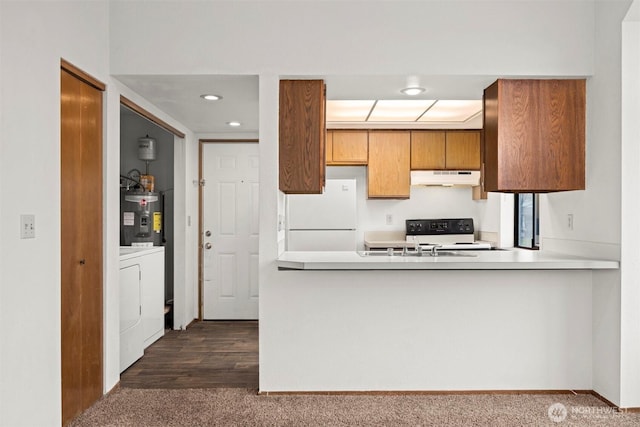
302	136
534	135
388	173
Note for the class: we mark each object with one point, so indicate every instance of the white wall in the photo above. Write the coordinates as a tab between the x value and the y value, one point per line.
629	293
33	39
300	37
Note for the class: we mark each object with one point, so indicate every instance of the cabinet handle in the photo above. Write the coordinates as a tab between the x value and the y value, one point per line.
83	261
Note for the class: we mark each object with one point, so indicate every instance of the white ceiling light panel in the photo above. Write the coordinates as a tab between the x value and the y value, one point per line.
399	111
452	111
348	111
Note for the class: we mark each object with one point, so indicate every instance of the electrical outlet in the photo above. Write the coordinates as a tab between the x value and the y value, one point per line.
27	226
389	219
570	221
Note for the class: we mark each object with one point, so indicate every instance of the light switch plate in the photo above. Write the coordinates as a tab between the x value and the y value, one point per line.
27	226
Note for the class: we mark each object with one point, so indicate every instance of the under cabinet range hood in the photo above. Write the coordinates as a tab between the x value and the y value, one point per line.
445	178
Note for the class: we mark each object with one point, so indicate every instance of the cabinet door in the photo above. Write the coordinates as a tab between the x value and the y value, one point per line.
428	150
535	135
463	150
302	130
388	173
350	147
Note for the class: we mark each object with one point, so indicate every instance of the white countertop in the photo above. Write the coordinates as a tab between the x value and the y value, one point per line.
513	259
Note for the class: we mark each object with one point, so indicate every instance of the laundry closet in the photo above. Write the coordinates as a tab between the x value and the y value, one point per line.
146	225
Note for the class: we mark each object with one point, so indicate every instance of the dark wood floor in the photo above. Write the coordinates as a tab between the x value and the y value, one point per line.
208	354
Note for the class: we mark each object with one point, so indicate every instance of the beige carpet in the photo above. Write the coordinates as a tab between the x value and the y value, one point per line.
242	407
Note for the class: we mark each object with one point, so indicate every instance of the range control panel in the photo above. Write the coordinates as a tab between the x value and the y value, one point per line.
420	227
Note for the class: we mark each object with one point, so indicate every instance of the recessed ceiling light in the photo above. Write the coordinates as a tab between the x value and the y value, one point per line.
412	91
211	97
234	124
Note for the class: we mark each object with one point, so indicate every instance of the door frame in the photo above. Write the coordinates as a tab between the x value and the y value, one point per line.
201	184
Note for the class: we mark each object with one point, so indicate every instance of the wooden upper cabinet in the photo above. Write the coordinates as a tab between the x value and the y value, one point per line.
347	147
302	136
428	150
535	135
438	150
388	173
463	150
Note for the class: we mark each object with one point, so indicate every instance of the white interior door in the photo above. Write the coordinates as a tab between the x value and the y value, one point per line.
230	230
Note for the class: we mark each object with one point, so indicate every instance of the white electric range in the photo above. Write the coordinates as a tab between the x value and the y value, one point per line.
446	233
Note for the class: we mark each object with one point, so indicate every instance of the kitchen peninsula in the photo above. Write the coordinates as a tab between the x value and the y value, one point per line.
501	320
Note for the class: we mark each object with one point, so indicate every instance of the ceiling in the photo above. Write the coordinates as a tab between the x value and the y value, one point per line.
179	97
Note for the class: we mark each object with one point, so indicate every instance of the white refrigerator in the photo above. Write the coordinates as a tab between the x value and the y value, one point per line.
323	222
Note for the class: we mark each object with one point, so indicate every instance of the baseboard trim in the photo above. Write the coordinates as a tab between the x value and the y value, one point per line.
194	321
417	392
613	405
115	388
443	393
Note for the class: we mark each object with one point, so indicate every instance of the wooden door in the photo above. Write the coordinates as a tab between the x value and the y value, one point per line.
388	173
230	227
81	244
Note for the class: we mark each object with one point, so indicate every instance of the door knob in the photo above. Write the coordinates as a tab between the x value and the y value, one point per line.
207	246
207	233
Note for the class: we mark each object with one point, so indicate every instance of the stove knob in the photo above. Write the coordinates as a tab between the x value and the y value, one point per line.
419	226
412	227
